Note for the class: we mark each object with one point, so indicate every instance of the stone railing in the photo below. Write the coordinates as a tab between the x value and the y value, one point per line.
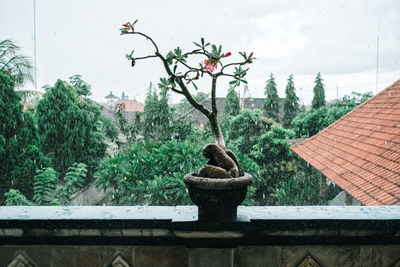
172	236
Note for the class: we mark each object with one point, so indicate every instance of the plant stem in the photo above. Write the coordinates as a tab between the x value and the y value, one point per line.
213	117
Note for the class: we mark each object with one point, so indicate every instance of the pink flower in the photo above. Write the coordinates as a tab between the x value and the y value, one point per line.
209	65
127	26
228	54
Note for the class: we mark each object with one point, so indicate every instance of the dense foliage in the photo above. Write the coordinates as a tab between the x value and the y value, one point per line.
244	138
19	148
273	155
157	115
47	190
311	122
70	128
271	105
151	173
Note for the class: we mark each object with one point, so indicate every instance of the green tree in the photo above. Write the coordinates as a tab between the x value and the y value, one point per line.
73	180
45	186
157	115
244	138
151	173
291	106
313	121
45	183
15	198
271	104
303	189
17	67
19	152
231	105
319	93
273	155
129	129
82	88
70	128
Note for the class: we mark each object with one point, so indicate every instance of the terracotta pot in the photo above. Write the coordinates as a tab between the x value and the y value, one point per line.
217	198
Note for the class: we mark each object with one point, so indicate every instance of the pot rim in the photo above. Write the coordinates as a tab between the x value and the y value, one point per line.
217	183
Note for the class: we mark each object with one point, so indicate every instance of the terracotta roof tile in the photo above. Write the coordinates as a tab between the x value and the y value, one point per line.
361	151
132	105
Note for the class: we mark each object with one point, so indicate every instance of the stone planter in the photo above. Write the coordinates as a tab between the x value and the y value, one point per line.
217	199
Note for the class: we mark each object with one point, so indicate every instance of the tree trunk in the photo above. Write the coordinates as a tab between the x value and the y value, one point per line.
216	130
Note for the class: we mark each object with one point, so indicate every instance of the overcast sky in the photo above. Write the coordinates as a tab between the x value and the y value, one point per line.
336	38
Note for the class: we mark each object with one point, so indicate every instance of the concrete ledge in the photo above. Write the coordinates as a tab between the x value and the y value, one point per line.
178	226
172	236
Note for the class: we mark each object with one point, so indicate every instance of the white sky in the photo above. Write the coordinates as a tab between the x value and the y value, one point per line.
337	38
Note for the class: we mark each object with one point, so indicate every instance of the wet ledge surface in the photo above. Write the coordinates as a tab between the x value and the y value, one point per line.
160	225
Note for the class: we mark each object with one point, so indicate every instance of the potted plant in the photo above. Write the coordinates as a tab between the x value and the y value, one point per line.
219	186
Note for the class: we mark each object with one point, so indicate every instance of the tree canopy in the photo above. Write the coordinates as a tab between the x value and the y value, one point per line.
291	105
19	152
271	104
318	100
231	105
18	67
70	128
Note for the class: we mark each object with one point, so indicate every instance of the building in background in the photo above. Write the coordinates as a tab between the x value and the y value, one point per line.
361	151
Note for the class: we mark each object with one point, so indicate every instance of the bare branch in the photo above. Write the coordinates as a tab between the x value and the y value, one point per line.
183	63
233	64
138	58
197	53
225	74
185	90
147	37
213	95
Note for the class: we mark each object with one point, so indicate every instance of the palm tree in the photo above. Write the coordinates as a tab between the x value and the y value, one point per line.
18	67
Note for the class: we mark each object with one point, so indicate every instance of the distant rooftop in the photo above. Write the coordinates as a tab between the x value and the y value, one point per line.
132	105
361	151
111	96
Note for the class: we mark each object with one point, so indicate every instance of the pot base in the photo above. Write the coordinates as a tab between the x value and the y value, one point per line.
217	199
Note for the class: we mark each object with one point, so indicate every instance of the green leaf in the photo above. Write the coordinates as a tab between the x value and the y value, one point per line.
196	44
202	41
195	86
164	81
214	49
232	82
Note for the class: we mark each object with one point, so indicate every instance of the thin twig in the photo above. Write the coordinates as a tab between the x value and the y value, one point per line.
147	37
138	58
233	64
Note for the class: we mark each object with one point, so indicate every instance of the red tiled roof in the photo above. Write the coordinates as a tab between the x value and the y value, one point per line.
361	151
132	105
